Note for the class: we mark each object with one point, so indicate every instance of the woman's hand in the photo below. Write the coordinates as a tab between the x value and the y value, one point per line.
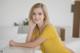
12	43
31	25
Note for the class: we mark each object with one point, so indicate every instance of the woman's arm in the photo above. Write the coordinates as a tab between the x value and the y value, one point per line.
32	44
29	36
28	42
31	28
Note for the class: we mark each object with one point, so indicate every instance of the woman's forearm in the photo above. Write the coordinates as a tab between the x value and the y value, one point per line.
31	29
29	36
26	45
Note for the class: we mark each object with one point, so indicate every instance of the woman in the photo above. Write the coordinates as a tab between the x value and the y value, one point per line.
42	33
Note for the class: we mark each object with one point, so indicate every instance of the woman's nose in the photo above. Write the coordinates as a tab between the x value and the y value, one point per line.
37	16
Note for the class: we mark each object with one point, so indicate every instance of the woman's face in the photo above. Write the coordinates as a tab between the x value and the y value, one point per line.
37	15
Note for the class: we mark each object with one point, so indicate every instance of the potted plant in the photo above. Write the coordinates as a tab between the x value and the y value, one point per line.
22	28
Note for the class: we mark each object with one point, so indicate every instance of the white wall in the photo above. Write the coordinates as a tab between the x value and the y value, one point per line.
17	10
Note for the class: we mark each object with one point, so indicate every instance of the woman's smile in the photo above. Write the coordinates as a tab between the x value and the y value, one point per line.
38	15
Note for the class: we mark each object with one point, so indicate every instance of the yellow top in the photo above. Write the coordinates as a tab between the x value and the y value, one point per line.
53	43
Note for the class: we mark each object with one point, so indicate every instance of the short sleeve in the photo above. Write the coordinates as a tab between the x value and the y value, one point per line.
46	33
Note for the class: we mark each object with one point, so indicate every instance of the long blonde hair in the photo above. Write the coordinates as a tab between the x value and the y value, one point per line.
43	7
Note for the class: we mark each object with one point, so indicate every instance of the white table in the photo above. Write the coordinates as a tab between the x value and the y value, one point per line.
74	45
18	50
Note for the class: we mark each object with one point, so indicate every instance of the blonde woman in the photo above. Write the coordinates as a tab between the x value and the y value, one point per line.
42	33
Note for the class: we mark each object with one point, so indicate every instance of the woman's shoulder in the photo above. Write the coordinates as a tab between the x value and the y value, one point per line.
50	26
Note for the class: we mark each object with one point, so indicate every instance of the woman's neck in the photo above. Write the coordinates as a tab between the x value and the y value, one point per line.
41	26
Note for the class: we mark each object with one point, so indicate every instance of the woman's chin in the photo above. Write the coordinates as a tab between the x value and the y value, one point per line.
37	22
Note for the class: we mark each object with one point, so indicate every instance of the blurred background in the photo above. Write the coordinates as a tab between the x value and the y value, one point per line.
64	14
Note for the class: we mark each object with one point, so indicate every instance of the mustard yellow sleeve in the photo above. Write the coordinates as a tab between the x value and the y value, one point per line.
46	33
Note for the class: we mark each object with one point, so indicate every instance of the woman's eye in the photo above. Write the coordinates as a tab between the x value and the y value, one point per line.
40	13
34	14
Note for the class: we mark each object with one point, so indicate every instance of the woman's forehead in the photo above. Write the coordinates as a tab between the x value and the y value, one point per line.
37	10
